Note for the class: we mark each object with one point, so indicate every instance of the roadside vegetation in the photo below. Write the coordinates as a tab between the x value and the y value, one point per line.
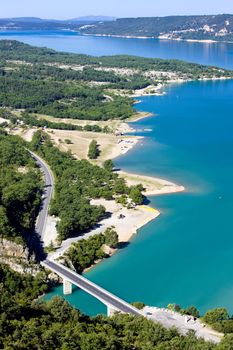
77	182
20	190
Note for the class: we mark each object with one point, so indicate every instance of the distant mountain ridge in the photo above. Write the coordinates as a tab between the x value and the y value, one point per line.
206	27
39	23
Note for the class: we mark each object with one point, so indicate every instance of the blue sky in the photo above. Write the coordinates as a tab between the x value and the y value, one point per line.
119	8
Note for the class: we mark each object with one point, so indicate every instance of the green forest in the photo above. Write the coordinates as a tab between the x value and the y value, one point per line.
84	253
20	190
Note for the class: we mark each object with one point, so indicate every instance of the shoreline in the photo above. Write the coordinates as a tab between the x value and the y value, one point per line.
133	219
150	183
137	117
204	41
116	146
128	225
126	222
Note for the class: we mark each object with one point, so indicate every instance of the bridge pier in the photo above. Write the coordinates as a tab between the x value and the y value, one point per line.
69	277
67	287
110	311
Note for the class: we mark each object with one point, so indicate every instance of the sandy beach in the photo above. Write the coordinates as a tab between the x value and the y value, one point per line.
139	116
150	90
152	185
125	221
133	219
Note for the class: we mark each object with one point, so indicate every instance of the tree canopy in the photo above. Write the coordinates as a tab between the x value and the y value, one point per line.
20	189
76	183
26	323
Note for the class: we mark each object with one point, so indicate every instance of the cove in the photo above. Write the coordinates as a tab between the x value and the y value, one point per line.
186	255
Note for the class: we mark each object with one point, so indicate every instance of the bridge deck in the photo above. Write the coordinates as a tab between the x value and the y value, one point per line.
98	292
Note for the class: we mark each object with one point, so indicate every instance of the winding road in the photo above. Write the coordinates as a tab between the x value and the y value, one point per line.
47	195
98	292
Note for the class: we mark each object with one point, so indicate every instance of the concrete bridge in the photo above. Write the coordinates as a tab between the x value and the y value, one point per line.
112	302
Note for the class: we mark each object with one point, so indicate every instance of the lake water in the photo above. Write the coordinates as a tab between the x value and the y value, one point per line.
186	255
218	54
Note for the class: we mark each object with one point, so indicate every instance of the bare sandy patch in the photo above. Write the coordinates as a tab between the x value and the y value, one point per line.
25	133
110	146
125	221
50	233
28	134
113	124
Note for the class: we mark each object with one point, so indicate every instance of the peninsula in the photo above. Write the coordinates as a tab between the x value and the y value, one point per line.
73	110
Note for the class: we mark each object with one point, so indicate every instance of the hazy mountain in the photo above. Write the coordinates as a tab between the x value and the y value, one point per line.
35	23
93	19
22	19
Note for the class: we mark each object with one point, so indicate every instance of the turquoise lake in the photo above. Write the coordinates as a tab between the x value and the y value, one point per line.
186	255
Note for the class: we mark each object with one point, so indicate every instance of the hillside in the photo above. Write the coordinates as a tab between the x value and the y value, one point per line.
35	23
216	27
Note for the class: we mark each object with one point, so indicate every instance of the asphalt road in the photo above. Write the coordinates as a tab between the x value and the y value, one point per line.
103	295
47	195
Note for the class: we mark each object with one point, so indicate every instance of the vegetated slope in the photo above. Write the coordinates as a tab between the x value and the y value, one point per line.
205	27
20	190
28	324
35	23
211	27
65	85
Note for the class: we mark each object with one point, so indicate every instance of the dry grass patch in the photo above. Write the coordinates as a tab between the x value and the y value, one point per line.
110	146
